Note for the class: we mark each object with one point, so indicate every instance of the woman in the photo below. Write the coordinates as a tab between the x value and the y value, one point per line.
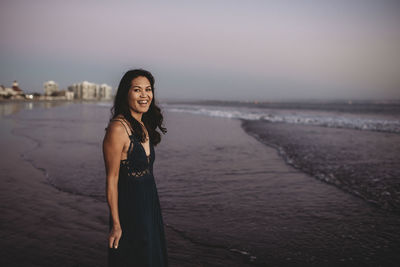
136	226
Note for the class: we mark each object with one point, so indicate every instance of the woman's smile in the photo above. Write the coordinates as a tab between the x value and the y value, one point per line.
143	103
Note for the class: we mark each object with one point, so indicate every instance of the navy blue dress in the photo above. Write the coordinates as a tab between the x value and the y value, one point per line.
143	240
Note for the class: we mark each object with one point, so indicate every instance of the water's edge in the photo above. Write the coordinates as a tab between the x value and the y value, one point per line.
327	177
17	130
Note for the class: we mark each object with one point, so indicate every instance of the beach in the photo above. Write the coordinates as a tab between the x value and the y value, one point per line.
229	196
365	164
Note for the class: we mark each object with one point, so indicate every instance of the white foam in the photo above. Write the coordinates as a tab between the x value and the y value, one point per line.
322	118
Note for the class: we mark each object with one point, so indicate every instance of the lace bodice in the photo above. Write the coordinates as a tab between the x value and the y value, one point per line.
138	163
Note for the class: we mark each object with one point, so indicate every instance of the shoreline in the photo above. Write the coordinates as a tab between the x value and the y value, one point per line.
283	216
43	227
52	226
277	214
23	100
337	174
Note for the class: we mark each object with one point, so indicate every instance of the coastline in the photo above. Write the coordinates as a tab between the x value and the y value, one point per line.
52	227
361	163
246	197
227	198
24	100
44	225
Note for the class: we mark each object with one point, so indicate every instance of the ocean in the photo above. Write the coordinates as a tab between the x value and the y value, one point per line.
282	184
319	138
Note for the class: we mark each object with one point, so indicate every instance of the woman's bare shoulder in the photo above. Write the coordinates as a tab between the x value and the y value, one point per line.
115	127
121	120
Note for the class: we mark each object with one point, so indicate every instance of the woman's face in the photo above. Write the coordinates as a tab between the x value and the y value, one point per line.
140	95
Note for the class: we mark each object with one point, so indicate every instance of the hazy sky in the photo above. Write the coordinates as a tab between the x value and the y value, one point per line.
233	50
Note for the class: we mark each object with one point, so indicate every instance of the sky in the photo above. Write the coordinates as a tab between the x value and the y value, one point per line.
208	50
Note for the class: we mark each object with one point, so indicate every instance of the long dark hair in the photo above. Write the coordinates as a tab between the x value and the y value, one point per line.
151	119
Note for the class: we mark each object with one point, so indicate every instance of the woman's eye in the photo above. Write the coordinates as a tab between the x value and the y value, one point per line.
148	89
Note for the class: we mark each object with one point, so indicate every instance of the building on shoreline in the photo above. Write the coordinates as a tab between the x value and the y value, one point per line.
82	91
50	87
14	92
63	94
91	91
52	92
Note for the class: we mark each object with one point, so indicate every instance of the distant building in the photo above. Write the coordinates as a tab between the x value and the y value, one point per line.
105	91
91	91
69	95
16	88
63	94
50	87
13	92
3	91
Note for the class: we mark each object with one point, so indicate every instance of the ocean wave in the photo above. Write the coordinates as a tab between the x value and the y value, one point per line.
326	119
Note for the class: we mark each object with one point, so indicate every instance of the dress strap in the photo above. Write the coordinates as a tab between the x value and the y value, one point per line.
123	123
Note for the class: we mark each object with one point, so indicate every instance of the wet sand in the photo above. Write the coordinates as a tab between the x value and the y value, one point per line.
226	198
43	226
40	225
363	163
234	191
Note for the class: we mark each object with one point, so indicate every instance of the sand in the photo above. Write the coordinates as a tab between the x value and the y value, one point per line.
241	195
42	226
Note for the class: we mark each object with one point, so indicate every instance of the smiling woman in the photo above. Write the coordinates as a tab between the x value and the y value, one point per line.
135	223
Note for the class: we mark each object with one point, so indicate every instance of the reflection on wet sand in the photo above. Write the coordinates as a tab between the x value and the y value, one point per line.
11	106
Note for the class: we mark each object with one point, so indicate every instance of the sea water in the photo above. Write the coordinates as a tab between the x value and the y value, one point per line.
220	187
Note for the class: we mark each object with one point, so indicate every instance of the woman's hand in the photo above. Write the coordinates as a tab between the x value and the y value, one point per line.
114	237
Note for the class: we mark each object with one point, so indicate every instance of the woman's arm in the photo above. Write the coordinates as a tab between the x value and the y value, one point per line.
113	145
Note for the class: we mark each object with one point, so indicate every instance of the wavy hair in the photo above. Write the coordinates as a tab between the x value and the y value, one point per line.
152	119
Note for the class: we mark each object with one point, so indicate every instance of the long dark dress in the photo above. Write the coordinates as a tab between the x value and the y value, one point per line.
143	240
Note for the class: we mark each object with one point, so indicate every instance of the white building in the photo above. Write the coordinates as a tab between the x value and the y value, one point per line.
12	92
91	91
6	91
69	95
50	87
105	91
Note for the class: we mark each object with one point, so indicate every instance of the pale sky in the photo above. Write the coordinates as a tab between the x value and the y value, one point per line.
217	50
